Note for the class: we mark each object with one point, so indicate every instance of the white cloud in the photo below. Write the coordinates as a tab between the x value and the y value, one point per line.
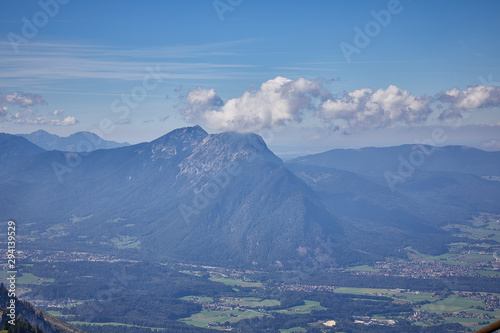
365	108
28	116
23	99
200	102
472	97
281	101
70	120
277	102
31	117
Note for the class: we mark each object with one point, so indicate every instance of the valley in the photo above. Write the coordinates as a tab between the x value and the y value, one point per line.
209	232
225	298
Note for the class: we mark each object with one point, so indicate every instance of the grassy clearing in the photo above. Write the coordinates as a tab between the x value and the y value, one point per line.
468	322
482	228
293	330
307	308
239	283
363	268
408	297
197	299
252	302
452	303
55	313
26	278
204	317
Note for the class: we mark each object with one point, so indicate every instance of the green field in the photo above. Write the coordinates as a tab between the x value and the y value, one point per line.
204	317
308	307
197	299
406	297
293	330
363	268
239	283
27	278
452	303
252	302
469	322
58	314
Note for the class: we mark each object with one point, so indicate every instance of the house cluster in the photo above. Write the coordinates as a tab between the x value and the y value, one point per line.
419	269
365	320
305	287
464	314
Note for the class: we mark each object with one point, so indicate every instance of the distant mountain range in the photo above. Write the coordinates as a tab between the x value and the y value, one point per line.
77	142
375	162
226	199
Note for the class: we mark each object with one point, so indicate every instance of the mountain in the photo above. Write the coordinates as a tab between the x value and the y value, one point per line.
225	199
77	142
27	315
413	213
219	198
376	162
14	150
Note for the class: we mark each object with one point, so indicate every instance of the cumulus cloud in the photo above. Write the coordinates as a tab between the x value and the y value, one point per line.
366	108
275	103
31	117
472	98
23	99
280	101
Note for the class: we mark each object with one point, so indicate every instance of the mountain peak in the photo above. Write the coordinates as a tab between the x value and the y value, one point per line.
190	130
193	133
183	139
40	132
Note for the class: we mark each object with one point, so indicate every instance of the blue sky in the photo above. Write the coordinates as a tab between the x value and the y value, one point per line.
69	65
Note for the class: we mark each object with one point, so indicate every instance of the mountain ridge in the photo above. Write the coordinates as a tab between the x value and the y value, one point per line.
247	206
82	141
226	199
